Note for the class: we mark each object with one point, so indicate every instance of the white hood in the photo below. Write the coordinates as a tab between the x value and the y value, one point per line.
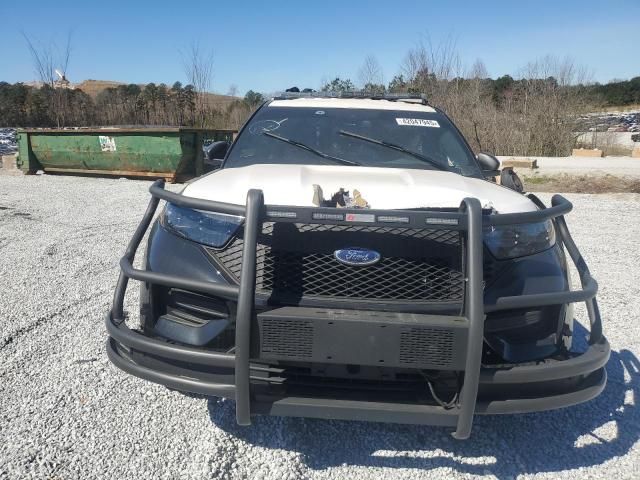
383	188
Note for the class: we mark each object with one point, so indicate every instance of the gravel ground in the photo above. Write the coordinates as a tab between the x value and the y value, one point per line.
66	412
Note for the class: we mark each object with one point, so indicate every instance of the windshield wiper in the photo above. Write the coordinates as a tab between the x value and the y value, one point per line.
295	143
399	148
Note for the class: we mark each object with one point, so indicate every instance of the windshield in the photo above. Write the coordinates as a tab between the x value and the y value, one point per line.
369	137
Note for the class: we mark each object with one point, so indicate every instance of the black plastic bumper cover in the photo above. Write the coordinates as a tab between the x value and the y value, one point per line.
589	366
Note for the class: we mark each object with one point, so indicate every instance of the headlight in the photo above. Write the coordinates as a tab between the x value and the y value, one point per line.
208	228
510	241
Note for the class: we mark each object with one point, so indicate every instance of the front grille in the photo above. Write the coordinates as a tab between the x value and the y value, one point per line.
296	260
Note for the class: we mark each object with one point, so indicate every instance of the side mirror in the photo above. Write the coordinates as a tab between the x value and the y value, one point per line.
212	164
510	179
214	154
489	164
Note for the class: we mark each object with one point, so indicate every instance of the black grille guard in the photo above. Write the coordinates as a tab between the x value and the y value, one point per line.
468	219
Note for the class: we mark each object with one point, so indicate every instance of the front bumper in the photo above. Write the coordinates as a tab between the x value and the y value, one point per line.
515	388
544	385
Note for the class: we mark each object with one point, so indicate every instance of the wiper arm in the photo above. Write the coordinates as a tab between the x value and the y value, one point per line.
301	145
399	148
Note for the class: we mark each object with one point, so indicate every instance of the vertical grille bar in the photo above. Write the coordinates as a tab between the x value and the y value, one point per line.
246	298
474	311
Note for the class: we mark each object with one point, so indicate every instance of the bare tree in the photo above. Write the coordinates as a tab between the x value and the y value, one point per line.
550	101
434	70
441	61
198	67
533	114
474	93
370	73
51	64
323	81
233	90
42	58
478	70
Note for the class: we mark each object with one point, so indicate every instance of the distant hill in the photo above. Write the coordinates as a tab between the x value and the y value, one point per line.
94	87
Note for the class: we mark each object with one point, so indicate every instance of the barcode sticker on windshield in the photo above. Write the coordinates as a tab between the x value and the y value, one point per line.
418	122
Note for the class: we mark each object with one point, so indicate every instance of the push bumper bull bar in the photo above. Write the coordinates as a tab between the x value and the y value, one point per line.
586	369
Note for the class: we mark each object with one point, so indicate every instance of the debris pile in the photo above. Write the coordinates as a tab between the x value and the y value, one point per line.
8	141
609	122
340	199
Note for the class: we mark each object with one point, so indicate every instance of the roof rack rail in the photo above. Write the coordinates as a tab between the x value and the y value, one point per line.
393	97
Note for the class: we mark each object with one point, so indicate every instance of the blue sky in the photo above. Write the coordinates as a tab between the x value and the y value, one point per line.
269	46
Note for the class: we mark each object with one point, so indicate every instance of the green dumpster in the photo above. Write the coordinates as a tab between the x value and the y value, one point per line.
173	153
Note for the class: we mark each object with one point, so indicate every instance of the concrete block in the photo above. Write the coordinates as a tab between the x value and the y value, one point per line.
529	163
9	165
587	152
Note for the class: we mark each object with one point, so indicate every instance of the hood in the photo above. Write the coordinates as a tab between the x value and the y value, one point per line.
382	188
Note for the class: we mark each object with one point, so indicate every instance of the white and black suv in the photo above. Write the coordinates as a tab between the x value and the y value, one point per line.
349	259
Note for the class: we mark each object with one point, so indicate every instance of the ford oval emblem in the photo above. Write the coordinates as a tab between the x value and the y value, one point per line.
357	256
